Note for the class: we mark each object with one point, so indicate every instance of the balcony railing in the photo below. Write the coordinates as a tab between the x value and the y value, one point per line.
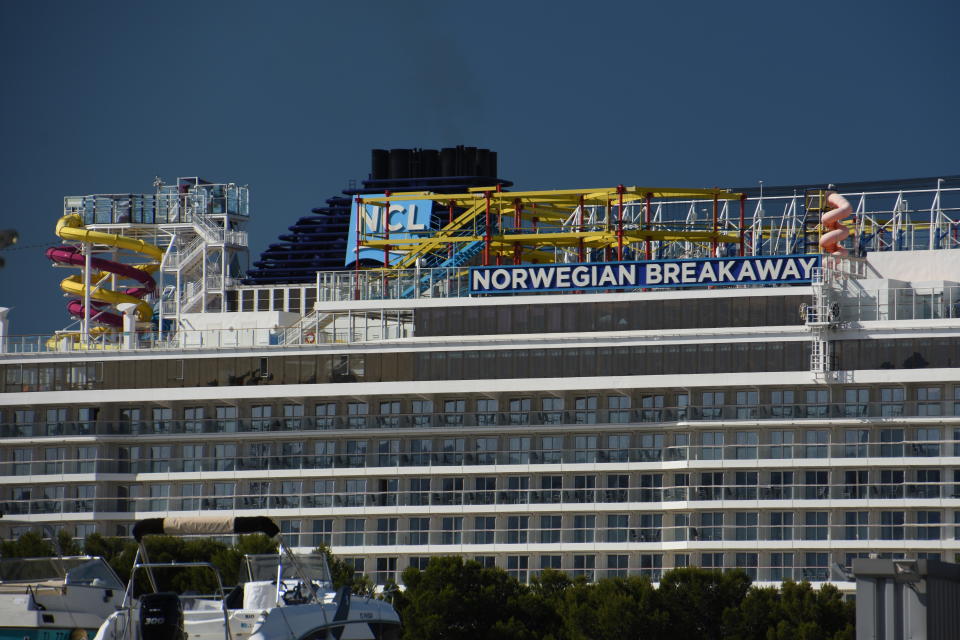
609	420
689	497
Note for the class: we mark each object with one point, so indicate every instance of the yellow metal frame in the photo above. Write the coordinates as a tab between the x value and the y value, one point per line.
551	207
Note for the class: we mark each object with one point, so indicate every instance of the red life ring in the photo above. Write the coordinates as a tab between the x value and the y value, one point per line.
310	337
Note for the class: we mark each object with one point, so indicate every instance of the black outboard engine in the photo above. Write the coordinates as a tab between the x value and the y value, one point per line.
161	617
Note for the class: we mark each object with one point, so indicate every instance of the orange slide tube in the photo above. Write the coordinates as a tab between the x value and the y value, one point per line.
830	241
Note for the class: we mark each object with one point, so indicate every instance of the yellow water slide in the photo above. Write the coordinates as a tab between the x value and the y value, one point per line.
70	227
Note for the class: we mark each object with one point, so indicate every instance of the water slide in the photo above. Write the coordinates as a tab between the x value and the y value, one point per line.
830	241
70	227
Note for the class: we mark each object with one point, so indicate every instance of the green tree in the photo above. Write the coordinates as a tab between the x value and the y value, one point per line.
457	600
342	574
813	614
229	560
615	608
113	551
695	600
29	545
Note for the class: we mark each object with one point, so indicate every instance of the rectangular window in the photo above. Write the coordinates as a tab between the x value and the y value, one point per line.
550	529
226	419
484	529
585	410
584	565
856	525
816	443
855	402
617	566
746	525
781	525
422	413
815	525
357	415
326	415
421	452
928	525
551	449
419	531
353	532
817	403
486	450
519	411
927	442
584	526
748	563
711	561
855	443
355	453
389	417
891	483
927	485
386	531
583	488
453	412
419	491
891	401
713	402
585	449
517	529
451	531
518	450
322	532
651	408
781	444
745	485
651	447
891	443
651	487
550	562
891	525
712	445
651	527
711	525
618	409
453	449
517	568
817	567
746	445
617	527
781	566
783	404
929	401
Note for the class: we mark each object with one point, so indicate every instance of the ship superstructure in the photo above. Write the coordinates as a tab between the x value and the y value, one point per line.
550	379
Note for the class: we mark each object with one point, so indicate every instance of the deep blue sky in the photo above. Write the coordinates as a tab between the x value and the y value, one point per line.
289	97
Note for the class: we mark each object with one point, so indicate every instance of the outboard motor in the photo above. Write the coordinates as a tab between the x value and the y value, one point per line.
161	617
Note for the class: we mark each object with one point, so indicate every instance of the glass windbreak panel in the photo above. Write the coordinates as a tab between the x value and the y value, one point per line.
76	571
311	568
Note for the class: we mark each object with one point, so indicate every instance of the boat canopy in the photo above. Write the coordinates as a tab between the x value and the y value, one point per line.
205	526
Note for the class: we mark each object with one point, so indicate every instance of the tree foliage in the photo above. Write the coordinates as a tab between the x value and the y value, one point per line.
453	598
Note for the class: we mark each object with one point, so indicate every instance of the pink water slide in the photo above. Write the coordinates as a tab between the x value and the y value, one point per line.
74	257
837	233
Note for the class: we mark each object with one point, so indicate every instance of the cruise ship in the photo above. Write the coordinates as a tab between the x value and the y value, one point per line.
608	381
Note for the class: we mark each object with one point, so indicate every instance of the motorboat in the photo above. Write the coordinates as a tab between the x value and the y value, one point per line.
56	598
284	596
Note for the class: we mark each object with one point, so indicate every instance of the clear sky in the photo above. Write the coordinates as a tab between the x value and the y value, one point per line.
289	97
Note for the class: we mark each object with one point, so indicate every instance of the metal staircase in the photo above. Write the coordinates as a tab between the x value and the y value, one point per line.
822	317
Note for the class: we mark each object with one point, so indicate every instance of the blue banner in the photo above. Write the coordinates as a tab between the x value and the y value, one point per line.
407	219
596	276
